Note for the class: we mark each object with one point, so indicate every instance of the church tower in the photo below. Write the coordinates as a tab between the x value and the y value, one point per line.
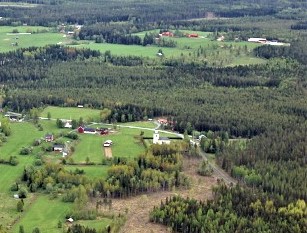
156	137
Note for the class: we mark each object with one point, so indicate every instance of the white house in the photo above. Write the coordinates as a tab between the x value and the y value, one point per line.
257	40
160	140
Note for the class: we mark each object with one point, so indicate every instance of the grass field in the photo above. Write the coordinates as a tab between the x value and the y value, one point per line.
145	124
87	114
27	40
90	171
45	214
216	53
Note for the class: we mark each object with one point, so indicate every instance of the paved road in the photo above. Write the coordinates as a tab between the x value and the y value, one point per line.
219	172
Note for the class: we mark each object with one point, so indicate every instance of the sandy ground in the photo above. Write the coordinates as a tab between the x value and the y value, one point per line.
139	207
108	152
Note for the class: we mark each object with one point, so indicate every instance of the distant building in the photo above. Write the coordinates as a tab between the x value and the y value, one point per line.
86	130
169	34
58	148
257	40
160	140
49	137
193	35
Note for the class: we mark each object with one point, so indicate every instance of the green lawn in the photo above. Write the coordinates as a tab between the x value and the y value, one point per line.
27	40
90	171
87	114
45	214
144	124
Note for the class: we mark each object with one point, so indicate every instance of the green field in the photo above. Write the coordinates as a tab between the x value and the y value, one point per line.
23	134
145	124
216	53
45	214
87	114
27	40
90	171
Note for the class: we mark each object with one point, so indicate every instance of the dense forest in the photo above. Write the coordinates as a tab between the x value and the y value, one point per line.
203	97
233	209
53	12
264	103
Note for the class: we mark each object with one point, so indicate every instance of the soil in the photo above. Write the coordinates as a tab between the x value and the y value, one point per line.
108	152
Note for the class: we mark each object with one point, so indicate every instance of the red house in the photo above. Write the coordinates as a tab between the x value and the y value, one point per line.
169	34
193	35
49	137
80	129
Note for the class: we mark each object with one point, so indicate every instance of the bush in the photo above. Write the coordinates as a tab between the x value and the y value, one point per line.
205	169
13	160
38	162
72	136
14	187
25	151
23	193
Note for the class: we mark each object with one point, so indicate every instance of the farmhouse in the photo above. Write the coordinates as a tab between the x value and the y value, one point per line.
193	35
169	34
67	123
86	130
49	137
58	147
160	140
102	131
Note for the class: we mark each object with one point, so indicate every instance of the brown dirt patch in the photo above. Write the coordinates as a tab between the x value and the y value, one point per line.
138	207
108	152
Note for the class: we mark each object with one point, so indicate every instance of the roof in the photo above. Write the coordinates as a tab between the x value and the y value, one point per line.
48	135
164	138
58	145
89	129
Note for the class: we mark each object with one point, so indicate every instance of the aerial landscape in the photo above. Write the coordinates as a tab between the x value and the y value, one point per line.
154	116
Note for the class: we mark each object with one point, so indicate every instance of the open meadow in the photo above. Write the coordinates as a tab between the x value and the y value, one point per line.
202	48
45	213
87	114
12	38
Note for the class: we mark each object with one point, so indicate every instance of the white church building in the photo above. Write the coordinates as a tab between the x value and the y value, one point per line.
160	140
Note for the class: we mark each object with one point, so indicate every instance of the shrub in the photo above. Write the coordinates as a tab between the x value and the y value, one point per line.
25	151
23	193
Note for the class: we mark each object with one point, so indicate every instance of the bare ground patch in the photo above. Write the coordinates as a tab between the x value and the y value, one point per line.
138	207
108	152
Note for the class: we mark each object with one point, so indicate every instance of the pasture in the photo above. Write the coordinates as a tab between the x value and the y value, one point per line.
12	38
201	49
45	214
87	114
91	171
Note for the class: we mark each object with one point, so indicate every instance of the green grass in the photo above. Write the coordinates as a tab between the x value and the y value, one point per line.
90	171
24	41
72	113
23	134
144	124
45	214
217	53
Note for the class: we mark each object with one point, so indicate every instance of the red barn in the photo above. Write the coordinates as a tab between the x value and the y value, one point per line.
81	129
169	34
193	35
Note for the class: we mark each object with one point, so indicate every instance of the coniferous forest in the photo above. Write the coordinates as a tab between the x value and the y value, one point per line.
263	104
